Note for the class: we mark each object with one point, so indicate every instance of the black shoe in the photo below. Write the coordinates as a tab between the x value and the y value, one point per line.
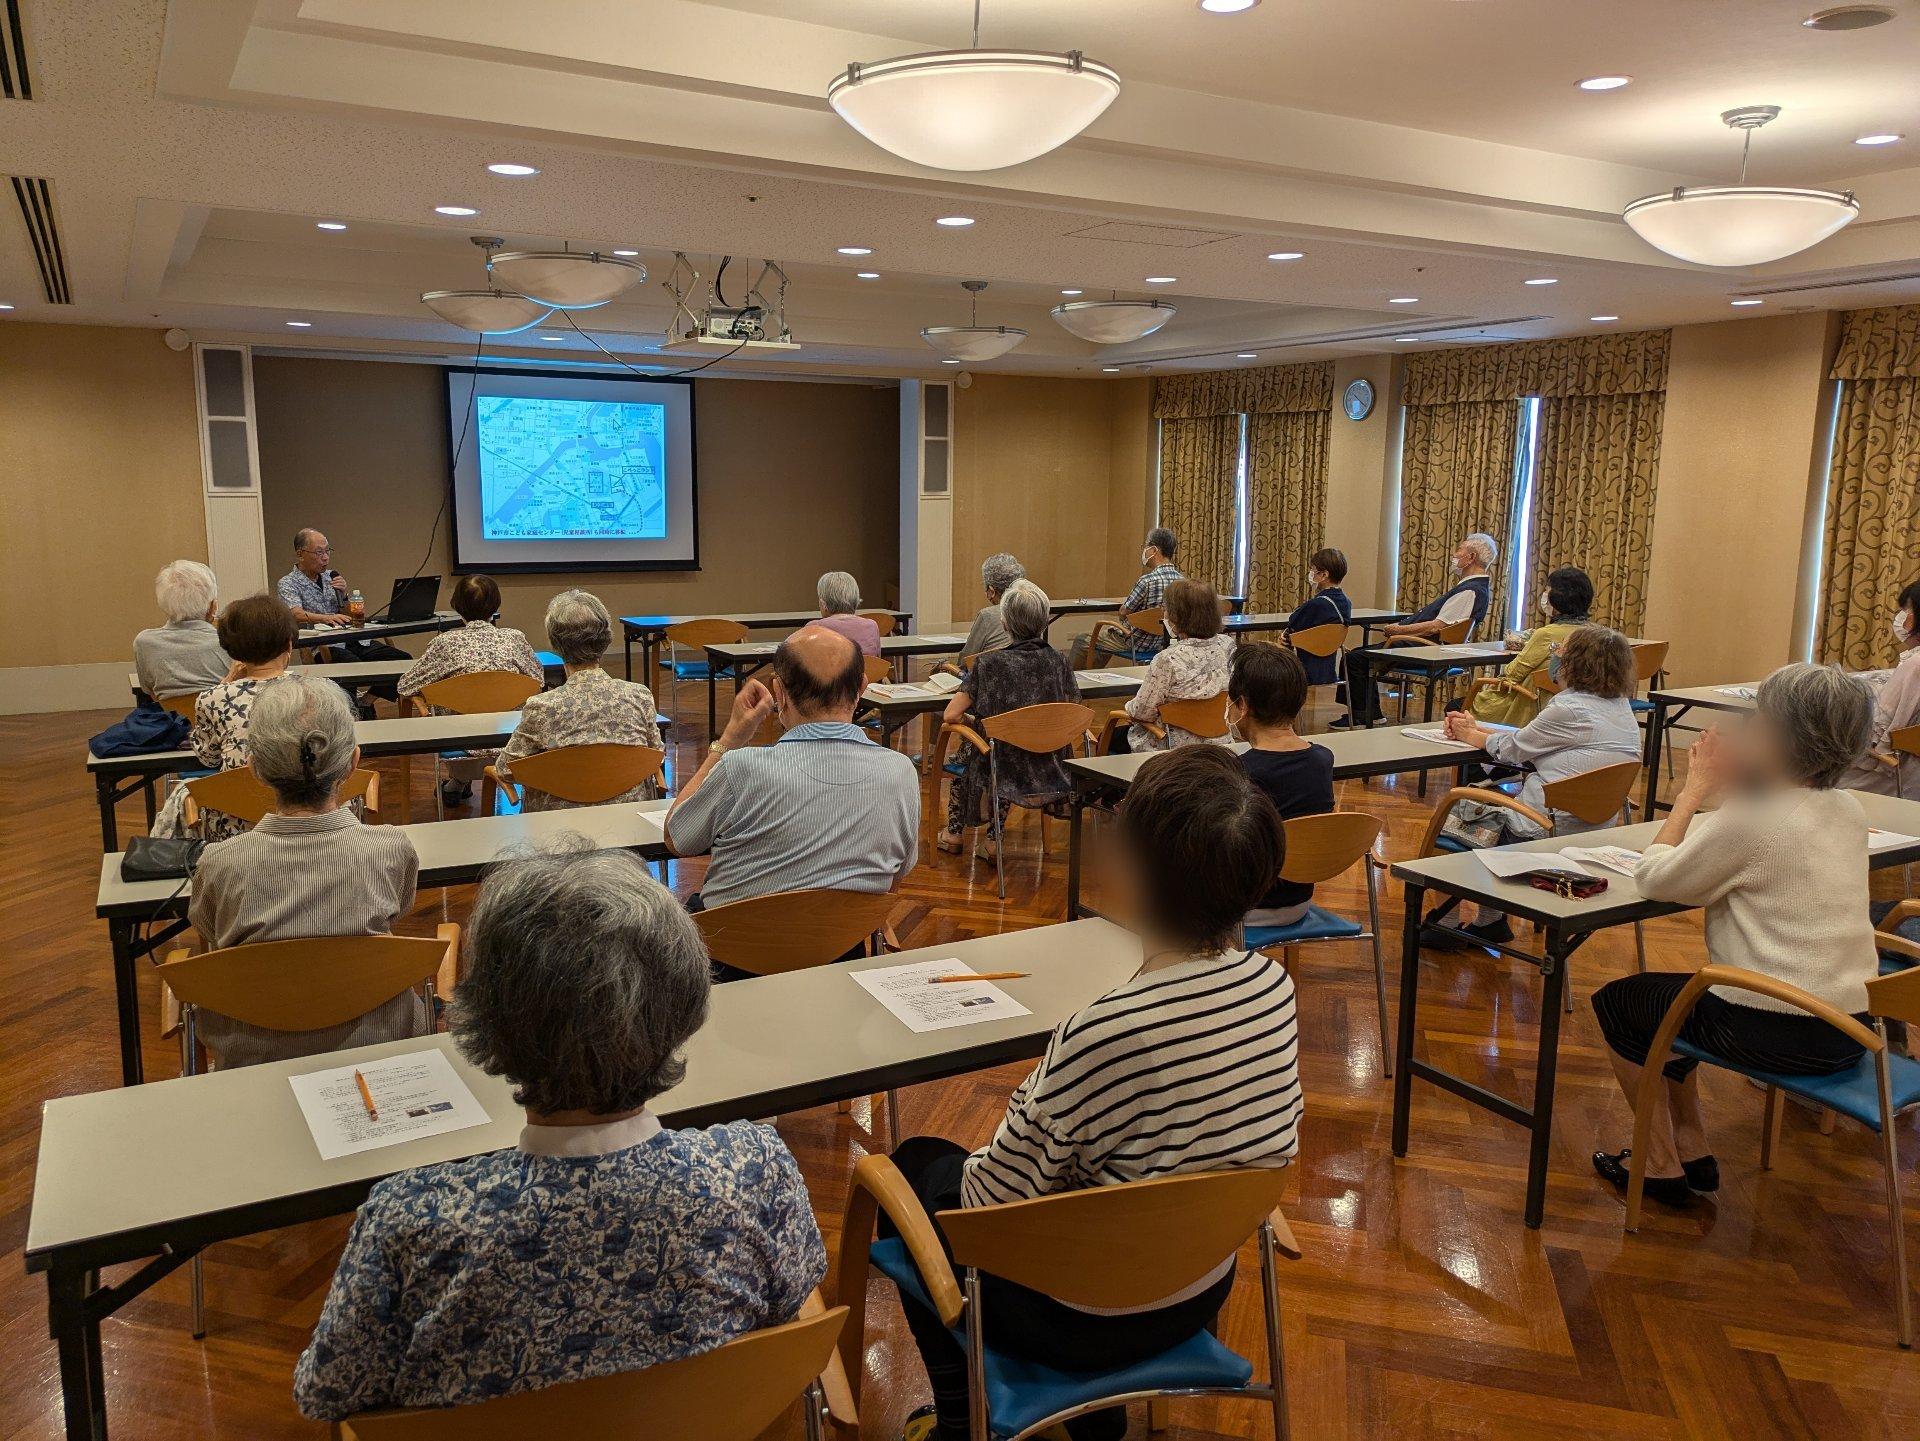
1703	1174
1667	1190
455	793
367	711
1340	723
1491	933
1434	938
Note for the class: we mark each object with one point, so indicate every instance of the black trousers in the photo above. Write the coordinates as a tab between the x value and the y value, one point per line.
1026	1323
353	650
1791	1042
1363	700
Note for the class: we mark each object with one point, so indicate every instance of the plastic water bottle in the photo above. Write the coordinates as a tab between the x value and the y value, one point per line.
356	606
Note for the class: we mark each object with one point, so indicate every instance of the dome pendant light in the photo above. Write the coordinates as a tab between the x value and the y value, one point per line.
1113	322
1740	224
973	341
973	109
568	279
486	312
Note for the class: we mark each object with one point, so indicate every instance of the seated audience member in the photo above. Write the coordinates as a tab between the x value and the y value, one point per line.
1027	672
309	868
1192	667
1466	599
997	572
1589	724
317	596
839	600
602	1242
182	657
1189	1066
1328	605
589	708
1781	868
1266	687
1148	593
823	807
1566	601
1896	706
258	632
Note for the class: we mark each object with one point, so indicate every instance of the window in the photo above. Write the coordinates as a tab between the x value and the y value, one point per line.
1242	531
1520	551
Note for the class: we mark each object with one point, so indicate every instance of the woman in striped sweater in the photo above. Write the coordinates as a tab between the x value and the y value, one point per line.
1188	1066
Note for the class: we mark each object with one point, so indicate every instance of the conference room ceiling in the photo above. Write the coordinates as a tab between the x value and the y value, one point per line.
1437	149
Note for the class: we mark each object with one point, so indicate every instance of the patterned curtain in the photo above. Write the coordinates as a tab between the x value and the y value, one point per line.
1198	458
1579	365
1257	391
1593	487
1286	504
1457	474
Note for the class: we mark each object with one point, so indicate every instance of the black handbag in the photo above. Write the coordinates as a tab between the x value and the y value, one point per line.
154	858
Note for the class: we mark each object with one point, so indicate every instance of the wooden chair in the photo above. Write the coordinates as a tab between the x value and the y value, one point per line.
1171	1232
244	796
304	985
1036	729
885	619
1109	638
1205	718
696	636
479	693
185	705
1873	1091
731	1393
1318	849
1902	745
1598	797
1321	642
582	775
878	668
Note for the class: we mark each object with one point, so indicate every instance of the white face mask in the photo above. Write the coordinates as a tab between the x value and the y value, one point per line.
1146	557
1546	604
1903	626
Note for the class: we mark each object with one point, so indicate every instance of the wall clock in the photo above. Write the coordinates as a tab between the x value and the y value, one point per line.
1358	400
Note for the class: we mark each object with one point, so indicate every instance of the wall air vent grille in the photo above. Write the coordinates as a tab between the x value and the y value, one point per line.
35	199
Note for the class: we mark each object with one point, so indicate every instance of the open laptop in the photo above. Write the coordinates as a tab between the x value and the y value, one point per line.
413	599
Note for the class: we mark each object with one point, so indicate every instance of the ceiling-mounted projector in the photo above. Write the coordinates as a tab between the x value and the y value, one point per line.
754	324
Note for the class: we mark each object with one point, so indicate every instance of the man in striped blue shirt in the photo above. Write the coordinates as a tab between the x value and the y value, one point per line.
824	807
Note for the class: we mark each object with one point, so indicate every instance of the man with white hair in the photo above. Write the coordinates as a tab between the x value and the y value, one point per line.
316	593
1467	599
182	657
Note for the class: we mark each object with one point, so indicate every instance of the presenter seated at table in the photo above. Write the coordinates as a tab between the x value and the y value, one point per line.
839	595
317	594
1148	593
1589	724
1780	864
997	572
589	708
182	657
309	868
1189	1066
1896	706
258	632
1328	605
1266	687
824	807
1027	672
1192	667
1467	599
602	1242
1564	604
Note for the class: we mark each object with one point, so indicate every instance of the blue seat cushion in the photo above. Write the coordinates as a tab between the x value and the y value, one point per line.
1315	925
688	669
1021	1392
1448	843
1640	707
1853	1092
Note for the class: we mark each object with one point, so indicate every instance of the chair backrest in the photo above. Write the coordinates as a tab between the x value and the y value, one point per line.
1896	997
480	692
1455	633
711	630
1320	640
885	619
586	775
1594	796
1649	659
1151	621
243	795
307	984
731	1393
1171	1231
1042	729
878	668
1905	741
1321	847
1226	606
1205	718
181	704
792	930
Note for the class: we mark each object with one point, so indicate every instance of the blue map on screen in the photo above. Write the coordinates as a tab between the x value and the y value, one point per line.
572	469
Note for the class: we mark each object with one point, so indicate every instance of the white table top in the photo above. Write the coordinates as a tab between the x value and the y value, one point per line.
1485	652
889	645
1130	677
336	634
1708	697
354	670
1383	750
408	735
121	1162
753	619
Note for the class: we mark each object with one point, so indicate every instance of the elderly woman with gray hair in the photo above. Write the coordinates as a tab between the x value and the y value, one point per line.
602	1242
309	868
1780	865
589	708
1027	672
839	595
997	573
182	657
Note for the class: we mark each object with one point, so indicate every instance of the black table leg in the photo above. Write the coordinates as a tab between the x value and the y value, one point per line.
1552	996
103	792
149	794
1656	745
626	652
1075	814
1409	1003
126	995
82	1382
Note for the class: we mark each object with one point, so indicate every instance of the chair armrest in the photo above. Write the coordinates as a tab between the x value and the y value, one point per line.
1283	1235
878	1186
370	797
512	790
448	976
412	705
948	732
1115	719
947	667
833	1379
1485	796
189	813
1884	759
1905	911
169	1002
1899	945
890	938
1501	684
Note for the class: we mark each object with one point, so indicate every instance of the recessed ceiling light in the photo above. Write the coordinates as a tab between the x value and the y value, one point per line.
1602	319
330	225
1287	255
454	210
1071	292
867	275
555	338
1606	82
1227	7
506	167
1543	280
5	306
1248	355
859	249
1749	302
954	222
1109	370
301	324
1162	279
950	361
626	254
1887	138
1404	300
1405	339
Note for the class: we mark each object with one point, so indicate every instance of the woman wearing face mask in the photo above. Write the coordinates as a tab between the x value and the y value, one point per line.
1328	605
1565	603
1896	707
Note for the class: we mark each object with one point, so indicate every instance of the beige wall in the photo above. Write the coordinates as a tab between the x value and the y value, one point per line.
794	479
1742	466
1363	479
102	488
1059	472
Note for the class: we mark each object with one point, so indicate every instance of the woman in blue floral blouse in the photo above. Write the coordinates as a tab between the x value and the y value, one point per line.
602	1242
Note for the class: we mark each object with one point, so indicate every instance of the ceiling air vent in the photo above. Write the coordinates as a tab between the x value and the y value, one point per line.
15	81
35	198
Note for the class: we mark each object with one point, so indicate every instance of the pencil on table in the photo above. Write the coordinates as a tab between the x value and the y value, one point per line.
366	1096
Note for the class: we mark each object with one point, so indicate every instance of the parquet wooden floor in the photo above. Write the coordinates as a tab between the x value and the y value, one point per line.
1422	1308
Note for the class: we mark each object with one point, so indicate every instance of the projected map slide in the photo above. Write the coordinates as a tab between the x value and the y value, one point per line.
572	469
